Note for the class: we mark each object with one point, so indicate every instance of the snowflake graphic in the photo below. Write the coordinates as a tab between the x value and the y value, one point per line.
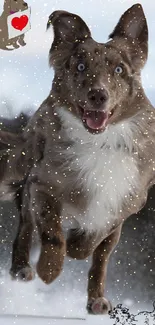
122	316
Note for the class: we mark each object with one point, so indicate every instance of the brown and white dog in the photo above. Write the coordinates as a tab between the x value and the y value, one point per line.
88	153
10	7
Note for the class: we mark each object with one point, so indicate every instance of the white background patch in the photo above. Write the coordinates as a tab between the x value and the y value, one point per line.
18	23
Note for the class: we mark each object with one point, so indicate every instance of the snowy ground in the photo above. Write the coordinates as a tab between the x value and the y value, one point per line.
42	321
43	304
130	278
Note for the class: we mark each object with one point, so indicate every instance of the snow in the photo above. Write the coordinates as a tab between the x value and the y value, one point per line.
48	321
34	298
39	321
62	302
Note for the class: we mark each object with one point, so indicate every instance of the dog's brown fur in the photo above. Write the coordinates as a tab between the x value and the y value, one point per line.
14	6
58	139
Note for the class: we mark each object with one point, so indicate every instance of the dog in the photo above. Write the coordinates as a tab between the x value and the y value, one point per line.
87	155
10	7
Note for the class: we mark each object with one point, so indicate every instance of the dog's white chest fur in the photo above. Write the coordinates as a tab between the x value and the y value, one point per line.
107	171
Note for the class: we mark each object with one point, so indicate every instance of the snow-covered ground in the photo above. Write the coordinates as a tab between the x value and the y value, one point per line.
43	321
66	297
62	302
48	321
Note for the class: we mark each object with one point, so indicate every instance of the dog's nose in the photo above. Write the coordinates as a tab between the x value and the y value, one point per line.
25	4
97	97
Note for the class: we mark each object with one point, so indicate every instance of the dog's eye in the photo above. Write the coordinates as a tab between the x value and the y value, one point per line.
118	69
81	67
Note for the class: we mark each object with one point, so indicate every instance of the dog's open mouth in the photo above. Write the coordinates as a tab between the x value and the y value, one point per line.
95	120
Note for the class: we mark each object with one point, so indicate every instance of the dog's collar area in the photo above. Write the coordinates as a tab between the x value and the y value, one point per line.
12	12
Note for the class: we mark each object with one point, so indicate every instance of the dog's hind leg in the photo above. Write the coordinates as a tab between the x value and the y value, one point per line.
97	304
46	211
20	268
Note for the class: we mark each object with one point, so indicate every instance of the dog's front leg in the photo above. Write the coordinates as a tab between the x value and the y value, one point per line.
97	304
46	211
21	40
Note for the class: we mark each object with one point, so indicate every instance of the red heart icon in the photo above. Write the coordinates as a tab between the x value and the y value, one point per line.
19	22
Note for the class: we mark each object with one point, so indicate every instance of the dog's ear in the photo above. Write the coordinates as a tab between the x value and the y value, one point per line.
133	26
7	6
69	29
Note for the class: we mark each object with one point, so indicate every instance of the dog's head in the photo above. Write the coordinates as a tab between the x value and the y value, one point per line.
97	81
11	6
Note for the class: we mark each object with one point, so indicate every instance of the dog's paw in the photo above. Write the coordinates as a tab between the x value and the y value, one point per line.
23	273
16	46
49	266
99	306
22	43
48	272
47	276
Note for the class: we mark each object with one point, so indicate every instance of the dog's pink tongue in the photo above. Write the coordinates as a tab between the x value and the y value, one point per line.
95	119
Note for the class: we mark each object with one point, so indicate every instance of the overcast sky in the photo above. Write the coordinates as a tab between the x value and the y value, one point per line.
24	73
